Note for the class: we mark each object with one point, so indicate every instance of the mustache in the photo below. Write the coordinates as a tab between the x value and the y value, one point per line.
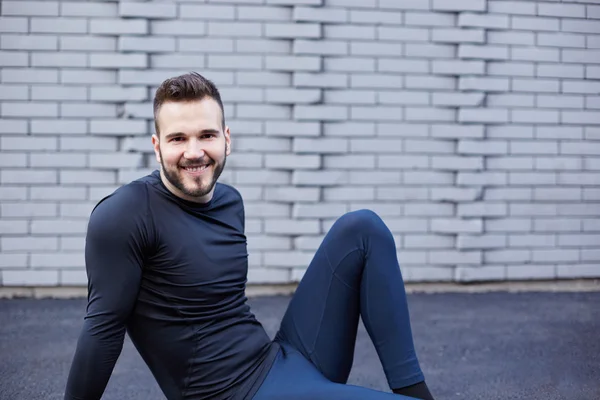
196	163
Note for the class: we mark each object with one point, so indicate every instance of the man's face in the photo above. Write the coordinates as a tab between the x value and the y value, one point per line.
192	147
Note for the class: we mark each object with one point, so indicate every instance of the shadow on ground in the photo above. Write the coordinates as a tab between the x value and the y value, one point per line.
471	346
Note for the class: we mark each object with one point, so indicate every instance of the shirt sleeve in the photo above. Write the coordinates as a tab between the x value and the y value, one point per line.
116	244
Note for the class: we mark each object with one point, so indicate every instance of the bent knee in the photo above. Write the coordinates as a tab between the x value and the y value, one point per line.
360	222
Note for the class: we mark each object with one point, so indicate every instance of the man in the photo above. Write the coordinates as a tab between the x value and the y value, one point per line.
166	260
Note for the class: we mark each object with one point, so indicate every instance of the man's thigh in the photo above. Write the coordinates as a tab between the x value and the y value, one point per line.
293	377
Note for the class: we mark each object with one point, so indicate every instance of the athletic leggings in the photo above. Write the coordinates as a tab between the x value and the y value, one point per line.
354	273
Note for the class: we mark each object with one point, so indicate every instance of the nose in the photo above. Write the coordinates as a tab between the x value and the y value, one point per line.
194	150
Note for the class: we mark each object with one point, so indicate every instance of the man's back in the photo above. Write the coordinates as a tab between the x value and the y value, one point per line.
183	304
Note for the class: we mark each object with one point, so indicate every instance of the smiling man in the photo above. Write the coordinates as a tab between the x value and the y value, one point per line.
167	262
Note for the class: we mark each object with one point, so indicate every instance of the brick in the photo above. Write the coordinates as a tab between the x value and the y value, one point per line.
115	160
501	68
397	34
577	271
408	97
206	12
581	86
287	259
348	161
28	42
114	26
459	35
47	59
457	163
58	226
292	30
536	54
508	194
535	23
320	112
263	46
510	100
560	40
262	111
535	85
482	115
28	243
263	209
375	177
400	194
491	21
430	82
465	5
580	117
292	227
416	241
291	194
428	177
320	145
29	278
560	71
591	56
579	26
147	10
457	67
28	143
348	193
489	52
267	145
375	17
508	225
88	177
56	92
524	272
117	60
510	163
429	114
272	79
58	25
582	209
334	96
556	194
87	43
562	10
380	113
482	178
264	13
29	109
321	80
432	19
409	225
235	29
531	240
589	225
454	257
403	5
59	127
558	163
370	81
269	242
12	160
13	126
316	210
87	143
457	131
88	110
428	209
320	178
593	11
87	76
296	2
146	44
326	15
293	63
292	128
30	8
322	47
511	7
376	49
13	260
14	92
454	194
549	101
513	38
511	131
558	255
485	84
532	178
429	50
97	9
352	3
14	59
292	161
487	241
13	25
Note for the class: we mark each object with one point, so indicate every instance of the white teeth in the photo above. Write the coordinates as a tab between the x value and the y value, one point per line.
196	169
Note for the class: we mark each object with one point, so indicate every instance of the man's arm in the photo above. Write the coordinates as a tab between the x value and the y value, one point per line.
115	245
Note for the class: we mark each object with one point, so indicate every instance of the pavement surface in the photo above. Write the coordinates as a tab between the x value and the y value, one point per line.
471	346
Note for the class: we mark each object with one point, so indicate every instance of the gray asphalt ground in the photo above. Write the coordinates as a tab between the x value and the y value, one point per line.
471	346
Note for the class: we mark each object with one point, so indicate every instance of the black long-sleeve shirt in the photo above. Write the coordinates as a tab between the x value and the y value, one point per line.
171	273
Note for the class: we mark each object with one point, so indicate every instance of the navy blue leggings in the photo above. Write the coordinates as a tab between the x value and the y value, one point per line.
354	273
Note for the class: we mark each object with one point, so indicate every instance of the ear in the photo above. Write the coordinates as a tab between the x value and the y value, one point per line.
155	145
227	141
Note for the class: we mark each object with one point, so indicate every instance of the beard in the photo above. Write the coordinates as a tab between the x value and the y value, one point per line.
176	177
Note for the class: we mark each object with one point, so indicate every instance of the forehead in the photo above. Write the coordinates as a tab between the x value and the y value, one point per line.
193	114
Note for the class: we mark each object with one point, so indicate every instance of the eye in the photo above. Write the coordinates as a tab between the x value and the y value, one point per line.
208	136
177	139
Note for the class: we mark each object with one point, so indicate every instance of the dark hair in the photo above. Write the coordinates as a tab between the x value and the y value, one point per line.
187	87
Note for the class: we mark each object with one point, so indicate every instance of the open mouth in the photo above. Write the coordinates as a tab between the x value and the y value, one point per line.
196	169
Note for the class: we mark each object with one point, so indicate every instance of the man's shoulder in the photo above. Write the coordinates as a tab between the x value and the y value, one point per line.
228	192
127	200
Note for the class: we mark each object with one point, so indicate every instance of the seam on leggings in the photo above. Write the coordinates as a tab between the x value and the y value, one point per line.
334	270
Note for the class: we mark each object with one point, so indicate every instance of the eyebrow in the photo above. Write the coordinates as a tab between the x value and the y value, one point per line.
202	132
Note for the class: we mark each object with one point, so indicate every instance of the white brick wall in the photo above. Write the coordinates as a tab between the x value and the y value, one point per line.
471	126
